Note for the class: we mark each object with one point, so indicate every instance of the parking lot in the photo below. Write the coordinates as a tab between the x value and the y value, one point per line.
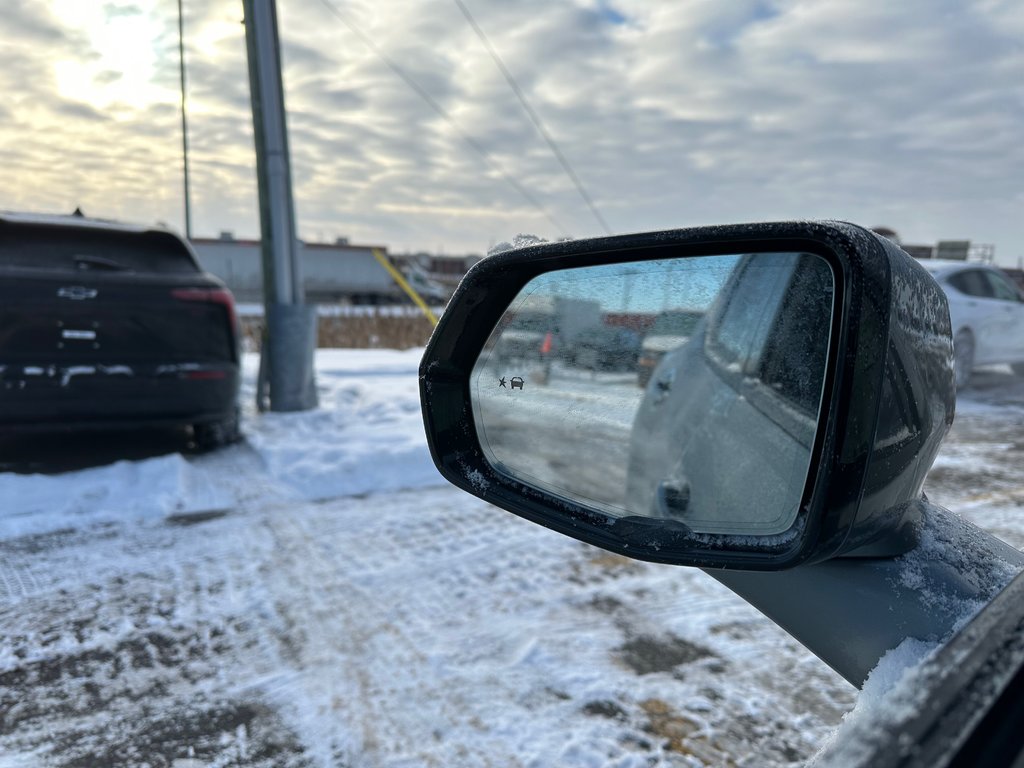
317	596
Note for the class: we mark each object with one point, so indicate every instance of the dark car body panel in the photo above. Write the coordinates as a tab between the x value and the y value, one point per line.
103	325
891	324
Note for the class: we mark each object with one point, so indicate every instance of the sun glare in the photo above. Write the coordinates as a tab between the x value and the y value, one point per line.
119	66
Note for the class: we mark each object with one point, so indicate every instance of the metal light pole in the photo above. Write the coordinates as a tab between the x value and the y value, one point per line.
184	123
286	362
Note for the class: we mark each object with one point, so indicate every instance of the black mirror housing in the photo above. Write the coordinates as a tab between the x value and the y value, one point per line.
888	397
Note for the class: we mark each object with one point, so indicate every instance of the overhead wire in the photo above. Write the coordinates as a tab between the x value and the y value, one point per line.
443	113
534	117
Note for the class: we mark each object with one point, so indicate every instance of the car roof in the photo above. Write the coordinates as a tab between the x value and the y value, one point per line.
73	221
76	221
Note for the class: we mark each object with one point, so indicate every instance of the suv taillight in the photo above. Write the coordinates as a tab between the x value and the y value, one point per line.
212	295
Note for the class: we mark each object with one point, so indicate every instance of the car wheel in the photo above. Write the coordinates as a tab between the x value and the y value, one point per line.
209	436
963	358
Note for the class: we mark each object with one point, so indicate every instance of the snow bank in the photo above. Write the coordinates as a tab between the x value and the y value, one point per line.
892	693
366	437
152	488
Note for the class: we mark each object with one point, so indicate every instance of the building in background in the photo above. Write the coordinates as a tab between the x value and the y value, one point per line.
955	250
337	272
333	273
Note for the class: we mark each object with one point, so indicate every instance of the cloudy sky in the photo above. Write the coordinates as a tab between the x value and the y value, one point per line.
907	114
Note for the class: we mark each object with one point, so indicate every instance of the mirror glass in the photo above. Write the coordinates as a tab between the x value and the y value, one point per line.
686	389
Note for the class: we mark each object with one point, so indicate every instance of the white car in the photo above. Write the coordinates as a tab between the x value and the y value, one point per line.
987	313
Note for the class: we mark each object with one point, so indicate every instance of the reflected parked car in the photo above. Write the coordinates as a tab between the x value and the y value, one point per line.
986	311
107	325
604	348
670	331
733	412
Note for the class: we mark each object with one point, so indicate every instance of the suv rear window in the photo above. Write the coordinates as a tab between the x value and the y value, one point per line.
68	249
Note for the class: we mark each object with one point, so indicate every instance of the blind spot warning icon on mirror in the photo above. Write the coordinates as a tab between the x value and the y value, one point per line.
517	382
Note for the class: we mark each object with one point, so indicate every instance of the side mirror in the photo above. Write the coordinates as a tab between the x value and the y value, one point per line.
752	397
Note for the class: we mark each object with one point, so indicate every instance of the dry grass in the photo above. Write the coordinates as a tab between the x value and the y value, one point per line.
373	329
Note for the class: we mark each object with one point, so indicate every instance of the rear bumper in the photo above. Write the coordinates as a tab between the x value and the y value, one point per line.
48	396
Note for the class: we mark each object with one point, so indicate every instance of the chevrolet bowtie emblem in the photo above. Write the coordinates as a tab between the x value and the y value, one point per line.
76	292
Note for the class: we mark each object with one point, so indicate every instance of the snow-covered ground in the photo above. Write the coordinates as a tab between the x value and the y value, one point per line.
318	596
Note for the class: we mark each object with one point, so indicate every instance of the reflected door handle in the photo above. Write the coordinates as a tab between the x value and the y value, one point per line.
672	498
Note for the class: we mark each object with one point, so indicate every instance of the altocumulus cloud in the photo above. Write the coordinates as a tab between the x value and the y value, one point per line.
672	114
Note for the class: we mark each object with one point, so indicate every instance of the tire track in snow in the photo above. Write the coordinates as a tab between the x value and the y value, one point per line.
165	612
425	625
347	623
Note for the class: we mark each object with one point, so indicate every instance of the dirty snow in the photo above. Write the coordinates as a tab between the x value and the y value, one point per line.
876	704
318	596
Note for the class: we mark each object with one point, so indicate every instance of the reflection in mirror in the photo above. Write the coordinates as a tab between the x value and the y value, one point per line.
686	389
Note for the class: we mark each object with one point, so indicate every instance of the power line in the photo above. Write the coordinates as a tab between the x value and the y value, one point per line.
443	113
534	117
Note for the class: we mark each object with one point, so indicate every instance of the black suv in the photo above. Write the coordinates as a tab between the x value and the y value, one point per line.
108	325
